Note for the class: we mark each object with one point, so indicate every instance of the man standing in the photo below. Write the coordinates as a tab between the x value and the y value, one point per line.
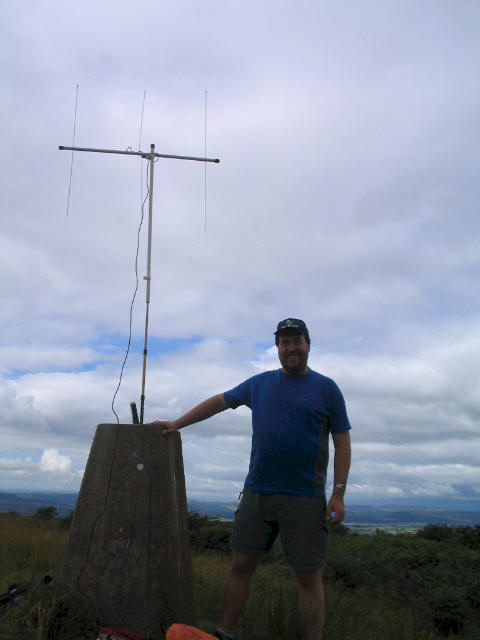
294	409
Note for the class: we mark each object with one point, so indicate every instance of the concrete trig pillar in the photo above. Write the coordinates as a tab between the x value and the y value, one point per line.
127	564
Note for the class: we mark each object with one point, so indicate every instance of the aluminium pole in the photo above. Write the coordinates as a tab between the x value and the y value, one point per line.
148	276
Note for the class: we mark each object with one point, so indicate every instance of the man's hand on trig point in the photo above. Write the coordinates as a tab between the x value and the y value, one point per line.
168	426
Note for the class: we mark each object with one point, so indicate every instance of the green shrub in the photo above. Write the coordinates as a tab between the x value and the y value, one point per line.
439	579
46	513
464	536
209	535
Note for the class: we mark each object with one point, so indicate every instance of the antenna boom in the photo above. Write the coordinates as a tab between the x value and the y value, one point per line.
143	154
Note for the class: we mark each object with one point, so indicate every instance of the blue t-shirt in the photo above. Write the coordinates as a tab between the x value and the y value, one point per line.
292	417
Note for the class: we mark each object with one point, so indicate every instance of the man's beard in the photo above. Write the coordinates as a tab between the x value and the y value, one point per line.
297	368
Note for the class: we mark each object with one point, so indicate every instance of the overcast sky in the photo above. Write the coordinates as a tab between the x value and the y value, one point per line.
347	195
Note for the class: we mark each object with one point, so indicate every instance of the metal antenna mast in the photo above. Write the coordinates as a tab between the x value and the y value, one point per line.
150	156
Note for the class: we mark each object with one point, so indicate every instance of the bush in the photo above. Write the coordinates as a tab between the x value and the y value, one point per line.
464	536
438	532
209	535
46	513
440	579
340	530
66	522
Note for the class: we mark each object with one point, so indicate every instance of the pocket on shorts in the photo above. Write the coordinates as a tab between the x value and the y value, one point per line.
241	497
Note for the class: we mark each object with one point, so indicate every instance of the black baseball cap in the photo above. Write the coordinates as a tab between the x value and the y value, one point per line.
292	323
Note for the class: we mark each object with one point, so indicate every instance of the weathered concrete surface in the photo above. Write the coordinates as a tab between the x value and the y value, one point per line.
127	563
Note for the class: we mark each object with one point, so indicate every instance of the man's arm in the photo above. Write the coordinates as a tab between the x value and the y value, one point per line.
341	467
202	411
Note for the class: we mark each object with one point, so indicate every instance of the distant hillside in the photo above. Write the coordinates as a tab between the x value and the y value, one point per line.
224	510
415	518
358	517
366	516
27	503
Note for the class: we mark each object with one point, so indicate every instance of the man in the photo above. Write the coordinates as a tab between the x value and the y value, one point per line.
293	411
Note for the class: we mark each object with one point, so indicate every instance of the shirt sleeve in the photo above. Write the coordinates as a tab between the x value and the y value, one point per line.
338	419
239	395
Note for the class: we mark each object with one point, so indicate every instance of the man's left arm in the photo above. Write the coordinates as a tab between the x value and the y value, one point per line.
341	467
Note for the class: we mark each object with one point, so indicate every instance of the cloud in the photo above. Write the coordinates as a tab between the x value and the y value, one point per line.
53	462
346	194
53	471
407	418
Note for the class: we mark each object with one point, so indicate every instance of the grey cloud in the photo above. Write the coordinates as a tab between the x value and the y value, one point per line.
347	194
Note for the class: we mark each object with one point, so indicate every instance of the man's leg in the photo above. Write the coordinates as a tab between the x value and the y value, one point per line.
311	601
237	589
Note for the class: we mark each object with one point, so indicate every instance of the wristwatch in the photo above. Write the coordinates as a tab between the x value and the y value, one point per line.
339	485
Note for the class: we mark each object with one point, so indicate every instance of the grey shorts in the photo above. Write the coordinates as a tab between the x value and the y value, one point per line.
300	521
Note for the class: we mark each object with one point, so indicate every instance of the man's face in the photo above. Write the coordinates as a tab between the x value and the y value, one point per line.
293	350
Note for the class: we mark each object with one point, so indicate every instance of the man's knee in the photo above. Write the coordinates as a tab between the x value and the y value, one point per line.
245	564
310	580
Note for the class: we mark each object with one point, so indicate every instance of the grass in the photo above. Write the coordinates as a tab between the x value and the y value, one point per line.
271	613
30	549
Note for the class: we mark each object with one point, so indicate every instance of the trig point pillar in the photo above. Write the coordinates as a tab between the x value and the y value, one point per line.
127	563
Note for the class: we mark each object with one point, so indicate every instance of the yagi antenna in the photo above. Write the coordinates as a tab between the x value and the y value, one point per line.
151	158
